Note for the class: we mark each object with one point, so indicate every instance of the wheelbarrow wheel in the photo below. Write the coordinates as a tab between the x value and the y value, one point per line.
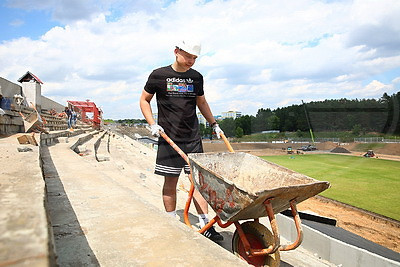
259	237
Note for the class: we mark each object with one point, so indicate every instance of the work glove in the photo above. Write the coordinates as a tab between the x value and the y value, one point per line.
217	130
155	129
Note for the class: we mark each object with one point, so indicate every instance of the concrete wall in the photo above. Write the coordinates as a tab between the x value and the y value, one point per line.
48	104
9	89
330	249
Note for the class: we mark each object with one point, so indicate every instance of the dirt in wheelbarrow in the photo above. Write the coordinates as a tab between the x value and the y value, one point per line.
375	228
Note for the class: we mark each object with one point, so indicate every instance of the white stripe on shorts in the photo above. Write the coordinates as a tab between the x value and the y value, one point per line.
166	169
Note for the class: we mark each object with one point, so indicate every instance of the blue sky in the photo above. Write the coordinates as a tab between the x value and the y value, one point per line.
16	23
255	53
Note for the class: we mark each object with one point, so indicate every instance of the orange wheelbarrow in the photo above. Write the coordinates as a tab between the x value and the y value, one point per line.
240	186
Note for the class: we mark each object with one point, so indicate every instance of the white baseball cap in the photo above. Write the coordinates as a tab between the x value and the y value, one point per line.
190	47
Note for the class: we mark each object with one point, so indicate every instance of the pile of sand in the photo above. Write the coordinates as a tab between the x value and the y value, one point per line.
340	150
326	145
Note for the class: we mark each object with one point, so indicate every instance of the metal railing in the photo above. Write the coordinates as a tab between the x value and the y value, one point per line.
376	140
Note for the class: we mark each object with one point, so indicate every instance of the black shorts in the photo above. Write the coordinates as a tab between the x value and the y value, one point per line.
169	162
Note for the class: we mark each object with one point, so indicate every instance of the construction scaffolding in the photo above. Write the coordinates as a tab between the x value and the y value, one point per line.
87	112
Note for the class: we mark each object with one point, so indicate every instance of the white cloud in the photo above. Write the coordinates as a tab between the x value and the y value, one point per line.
255	53
372	89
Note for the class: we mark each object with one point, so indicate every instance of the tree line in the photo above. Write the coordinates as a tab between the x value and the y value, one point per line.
359	115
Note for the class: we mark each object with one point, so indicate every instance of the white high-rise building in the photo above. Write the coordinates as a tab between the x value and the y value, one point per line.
201	118
231	114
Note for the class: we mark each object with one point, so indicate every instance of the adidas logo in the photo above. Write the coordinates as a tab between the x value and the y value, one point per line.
177	80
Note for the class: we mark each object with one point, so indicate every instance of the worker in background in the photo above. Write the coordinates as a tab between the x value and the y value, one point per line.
73	118
68	113
178	89
1	110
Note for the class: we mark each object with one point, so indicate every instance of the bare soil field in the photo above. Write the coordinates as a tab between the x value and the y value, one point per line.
374	228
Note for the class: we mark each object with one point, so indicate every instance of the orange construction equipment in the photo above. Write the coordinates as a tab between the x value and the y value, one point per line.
84	107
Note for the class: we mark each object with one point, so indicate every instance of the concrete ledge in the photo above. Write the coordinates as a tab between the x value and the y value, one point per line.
101	149
330	249
24	235
51	138
83	139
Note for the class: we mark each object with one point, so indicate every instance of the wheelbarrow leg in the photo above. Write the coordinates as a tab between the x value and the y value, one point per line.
214	220
276	239
274	225
299	230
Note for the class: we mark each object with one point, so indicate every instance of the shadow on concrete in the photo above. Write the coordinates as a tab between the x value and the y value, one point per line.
71	245
228	235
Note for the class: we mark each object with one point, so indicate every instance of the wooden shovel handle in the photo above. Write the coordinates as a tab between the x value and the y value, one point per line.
228	145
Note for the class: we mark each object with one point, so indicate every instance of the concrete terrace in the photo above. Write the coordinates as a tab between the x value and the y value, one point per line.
91	199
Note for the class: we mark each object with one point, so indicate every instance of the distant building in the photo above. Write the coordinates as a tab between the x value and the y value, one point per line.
231	114
270	131
30	91
201	119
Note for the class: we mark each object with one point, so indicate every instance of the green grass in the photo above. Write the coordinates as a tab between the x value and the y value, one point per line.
368	183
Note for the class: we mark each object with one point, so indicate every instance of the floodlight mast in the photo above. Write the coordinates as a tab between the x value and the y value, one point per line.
308	122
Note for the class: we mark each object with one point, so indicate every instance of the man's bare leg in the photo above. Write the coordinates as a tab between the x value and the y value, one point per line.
202	209
169	196
200	203
169	193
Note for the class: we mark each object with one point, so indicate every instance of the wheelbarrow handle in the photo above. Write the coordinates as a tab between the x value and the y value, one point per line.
174	146
228	145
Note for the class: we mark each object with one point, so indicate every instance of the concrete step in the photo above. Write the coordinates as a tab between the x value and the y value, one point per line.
97	220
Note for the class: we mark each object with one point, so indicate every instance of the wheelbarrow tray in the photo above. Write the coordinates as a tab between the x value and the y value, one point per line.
237	184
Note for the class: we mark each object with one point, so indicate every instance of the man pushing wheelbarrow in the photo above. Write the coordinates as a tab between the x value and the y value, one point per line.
238	186
178	89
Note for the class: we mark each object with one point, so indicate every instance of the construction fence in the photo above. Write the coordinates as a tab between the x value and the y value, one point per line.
376	140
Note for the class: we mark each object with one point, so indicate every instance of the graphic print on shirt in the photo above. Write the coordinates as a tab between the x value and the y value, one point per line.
178	87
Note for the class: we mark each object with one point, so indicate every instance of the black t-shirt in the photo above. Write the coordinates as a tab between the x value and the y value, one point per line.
176	94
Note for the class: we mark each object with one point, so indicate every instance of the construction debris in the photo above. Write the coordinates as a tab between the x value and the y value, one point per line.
24	149
33	122
27	139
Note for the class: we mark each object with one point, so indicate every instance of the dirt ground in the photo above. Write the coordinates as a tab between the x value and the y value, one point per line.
374	228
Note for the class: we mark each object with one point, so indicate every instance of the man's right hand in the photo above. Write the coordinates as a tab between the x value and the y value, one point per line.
217	130
155	129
